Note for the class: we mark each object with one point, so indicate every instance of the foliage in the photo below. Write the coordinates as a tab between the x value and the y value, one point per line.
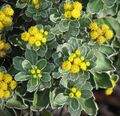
78	54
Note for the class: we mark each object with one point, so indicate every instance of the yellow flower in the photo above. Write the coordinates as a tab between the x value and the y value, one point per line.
37	36
32	71
35	76
44	40
1	76
73	90
93	26
104	27
83	66
109	34
1	26
99	31
109	91
1	93
78	94
68	6
4	86
7	78
113	83
2	53
37	6
38	43
101	40
77	5
38	71
35	1
41	30
75	69
71	95
77	52
87	63
25	36
77	61
70	58
82	58
6	94
2	44
67	14
75	13
94	35
66	65
8	11
73	55
13	84
46	33
7	46
2	16
40	75
7	21
31	40
33	30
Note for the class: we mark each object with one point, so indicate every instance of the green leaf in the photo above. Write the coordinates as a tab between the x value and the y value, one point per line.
74	104
32	85
103	63
41	99
22	76
75	23
41	64
102	80
16	102
42	51
107	50
31	56
46	77
74	112
86	94
50	36
94	6
3	69
17	63
56	75
26	65
64	25
64	82
61	99
89	106
109	3
118	16
49	68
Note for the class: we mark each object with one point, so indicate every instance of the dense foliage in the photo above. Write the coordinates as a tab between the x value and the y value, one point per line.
54	53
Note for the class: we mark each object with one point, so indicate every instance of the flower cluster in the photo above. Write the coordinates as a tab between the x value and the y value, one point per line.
35	36
74	93
75	63
72	10
36	73
4	48
109	91
7	84
36	3
100	33
6	14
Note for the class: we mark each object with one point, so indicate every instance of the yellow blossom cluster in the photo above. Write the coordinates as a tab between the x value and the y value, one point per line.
72	10
36	73
35	36
4	48
6	14
36	4
100	33
75	63
74	93
109	91
7	84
